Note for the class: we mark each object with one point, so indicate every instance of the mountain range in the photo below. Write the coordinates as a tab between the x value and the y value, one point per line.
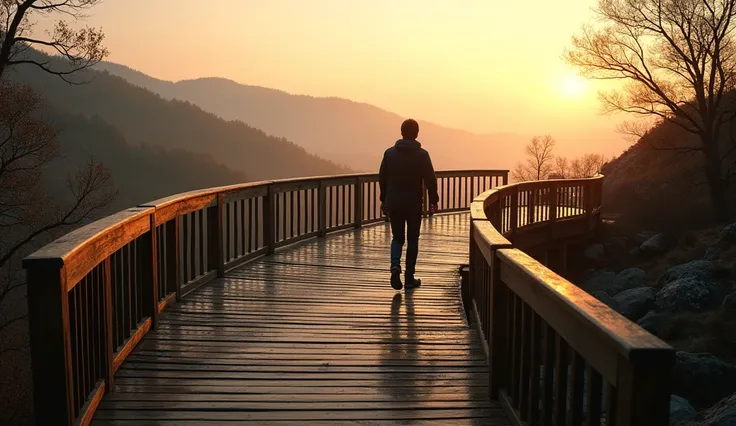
155	147
343	131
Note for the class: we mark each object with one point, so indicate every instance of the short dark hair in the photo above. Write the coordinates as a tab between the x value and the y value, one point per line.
409	129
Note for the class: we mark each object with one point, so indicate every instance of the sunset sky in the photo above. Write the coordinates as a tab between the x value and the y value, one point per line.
482	65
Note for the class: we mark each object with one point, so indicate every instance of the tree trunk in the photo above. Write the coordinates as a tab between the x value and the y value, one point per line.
716	185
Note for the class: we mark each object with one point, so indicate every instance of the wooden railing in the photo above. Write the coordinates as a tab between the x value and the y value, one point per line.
94	293
557	355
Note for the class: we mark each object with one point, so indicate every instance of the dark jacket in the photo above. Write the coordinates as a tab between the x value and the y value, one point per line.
403	169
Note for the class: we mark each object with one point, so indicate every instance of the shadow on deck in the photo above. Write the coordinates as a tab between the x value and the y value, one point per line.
316	333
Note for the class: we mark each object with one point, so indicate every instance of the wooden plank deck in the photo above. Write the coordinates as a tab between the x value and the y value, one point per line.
315	334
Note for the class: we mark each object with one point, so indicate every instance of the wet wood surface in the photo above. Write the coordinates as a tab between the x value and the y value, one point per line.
315	334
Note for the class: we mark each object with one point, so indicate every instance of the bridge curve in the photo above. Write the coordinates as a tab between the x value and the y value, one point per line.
131	287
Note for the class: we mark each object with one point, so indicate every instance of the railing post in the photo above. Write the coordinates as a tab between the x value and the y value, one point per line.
358	203
643	390
173	256
215	258
505	177
322	208
51	358
269	233
149	271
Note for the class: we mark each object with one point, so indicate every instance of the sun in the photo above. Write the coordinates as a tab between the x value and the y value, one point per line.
573	86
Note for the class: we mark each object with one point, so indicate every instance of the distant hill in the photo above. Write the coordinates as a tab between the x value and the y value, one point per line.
141	173
142	117
340	130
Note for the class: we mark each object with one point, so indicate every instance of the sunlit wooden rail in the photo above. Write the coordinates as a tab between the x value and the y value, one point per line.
96	292
555	355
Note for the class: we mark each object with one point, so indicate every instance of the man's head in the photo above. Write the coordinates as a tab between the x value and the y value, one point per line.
409	129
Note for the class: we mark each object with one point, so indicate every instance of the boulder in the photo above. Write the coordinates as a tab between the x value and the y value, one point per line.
702	379
635	302
629	278
685	294
652	322
655	244
605	298
600	280
713	253
595	252
729	303
721	414
680	410
616	246
703	269
728	234
642	237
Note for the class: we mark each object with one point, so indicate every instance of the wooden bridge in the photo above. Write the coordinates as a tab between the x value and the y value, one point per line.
269	303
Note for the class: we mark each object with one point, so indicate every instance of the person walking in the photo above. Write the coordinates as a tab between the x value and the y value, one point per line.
405	170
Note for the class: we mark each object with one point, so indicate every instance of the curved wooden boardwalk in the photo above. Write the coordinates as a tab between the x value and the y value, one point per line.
316	334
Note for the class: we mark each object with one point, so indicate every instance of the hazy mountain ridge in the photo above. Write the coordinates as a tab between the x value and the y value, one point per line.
143	117
341	130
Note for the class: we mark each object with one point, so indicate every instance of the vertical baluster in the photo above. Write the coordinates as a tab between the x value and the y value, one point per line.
525	345
109	329
548	379
192	246
228	230
115	299
87	282
277	218
322	208
345	204
516	354
458	192
294	213
358	203
371	199
611	405
299	212
283	217
577	380
445	196
203	258
533	406
560	403
594	397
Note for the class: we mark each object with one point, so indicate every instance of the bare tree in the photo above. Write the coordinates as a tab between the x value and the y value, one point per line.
28	142
27	213
82	48
678	59
561	168
586	166
538	165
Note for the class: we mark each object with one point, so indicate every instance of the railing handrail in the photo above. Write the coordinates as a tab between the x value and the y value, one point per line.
95	292
634	362
65	246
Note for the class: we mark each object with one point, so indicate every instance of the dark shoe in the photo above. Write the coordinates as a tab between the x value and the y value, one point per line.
396	278
412	283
